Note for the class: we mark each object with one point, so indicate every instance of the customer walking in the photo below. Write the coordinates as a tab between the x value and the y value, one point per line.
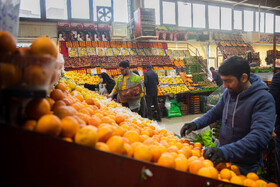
151	82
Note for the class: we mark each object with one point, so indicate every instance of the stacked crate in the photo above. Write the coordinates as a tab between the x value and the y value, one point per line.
194	104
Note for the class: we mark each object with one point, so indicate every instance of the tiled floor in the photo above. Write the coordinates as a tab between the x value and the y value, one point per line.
175	124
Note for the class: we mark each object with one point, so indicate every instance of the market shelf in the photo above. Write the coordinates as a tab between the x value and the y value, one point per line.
32	159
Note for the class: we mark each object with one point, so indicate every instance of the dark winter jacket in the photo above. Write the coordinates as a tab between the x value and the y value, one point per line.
217	78
247	124
151	82
274	89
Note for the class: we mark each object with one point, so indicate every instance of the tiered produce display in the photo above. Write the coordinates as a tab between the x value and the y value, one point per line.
232	44
77	115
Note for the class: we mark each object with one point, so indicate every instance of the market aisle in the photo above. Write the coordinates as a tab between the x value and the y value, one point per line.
175	124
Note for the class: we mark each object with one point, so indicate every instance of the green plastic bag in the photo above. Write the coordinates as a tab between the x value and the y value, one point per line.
174	110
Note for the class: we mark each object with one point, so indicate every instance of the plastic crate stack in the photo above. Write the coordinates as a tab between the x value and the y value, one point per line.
194	104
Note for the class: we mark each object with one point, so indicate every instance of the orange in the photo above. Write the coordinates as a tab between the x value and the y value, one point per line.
57	94
104	133
197	144
236	180
167	160
192	158
205	172
208	163
214	172
49	124
221	166
10	75
58	104
35	75
195	166
120	131
225	180
148	141
77	106
196	152
43	46
86	136
186	151
225	174
80	97
132	136
29	124
70	127
90	101
119	118
63	111
143	152
261	183
61	86
156	152
102	146
66	101
7	42
172	148
94	121
85	111
235	169
181	163
252	176
116	144
67	139
37	108
51	101
249	182
80	121
271	184
107	119
128	151
142	138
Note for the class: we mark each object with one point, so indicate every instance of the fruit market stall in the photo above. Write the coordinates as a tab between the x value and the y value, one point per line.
85	139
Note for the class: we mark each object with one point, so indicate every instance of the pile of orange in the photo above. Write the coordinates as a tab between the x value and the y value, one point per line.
85	122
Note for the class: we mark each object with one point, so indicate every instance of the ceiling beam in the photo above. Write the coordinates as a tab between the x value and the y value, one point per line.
241	2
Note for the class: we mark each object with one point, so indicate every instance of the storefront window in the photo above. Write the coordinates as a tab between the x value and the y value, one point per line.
184	14
30	9
153	4
168	13
198	16
269	21
214	17
259	22
248	20
226	18
277	24
56	9
80	9
237	19
120	11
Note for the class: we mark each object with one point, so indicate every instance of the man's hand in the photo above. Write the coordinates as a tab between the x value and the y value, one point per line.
214	154
189	127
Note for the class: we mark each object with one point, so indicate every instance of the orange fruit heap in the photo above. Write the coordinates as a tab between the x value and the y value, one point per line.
85	122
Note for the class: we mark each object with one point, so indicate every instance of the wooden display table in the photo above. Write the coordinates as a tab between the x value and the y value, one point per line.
32	159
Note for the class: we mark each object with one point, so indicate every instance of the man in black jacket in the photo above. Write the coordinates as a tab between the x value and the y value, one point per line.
274	89
151	82
216	77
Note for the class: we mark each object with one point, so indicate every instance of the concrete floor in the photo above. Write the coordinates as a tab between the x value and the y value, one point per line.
175	124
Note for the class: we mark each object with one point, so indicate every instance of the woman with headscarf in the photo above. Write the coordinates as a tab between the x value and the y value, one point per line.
107	81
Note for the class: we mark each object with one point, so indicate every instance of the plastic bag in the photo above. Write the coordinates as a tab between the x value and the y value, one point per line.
167	104
174	109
